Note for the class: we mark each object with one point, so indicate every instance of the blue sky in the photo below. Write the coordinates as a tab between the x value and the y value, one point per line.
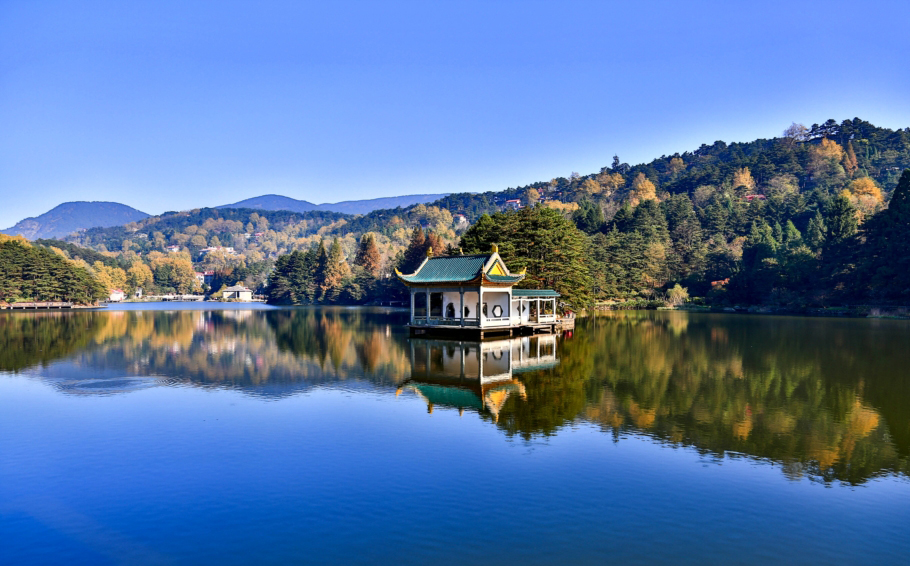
174	105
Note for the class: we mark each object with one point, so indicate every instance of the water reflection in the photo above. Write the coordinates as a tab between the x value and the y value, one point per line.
827	399
476	375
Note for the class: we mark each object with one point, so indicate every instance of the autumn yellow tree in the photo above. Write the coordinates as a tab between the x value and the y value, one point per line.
849	161
676	166
825	159
642	189
610	183
866	197
567	208
743	178
591	187
111	277
531	197
866	186
139	276
174	271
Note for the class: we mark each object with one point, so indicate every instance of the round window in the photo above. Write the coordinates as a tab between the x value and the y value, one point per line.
497	311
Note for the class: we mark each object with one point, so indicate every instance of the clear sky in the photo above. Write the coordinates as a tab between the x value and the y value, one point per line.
173	105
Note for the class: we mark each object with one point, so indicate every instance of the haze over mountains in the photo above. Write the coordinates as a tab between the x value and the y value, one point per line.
70	217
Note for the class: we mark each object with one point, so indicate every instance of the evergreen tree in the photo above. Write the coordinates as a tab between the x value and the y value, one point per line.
544	242
33	273
841	221
334	274
589	217
816	232
415	253
368	256
886	269
792	238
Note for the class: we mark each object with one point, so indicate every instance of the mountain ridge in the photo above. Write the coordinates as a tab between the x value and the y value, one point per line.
363	206
73	216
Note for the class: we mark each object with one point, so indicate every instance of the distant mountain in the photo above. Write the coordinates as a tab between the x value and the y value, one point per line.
70	217
278	202
273	202
369	205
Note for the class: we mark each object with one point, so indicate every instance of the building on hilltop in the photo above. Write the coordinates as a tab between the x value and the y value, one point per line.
474	294
512	204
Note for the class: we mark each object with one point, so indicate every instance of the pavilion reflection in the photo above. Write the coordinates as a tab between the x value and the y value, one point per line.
475	375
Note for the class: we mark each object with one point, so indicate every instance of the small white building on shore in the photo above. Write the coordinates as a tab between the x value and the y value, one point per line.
238	293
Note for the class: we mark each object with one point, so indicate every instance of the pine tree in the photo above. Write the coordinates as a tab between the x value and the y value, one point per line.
886	272
841	221
368	256
816	232
544	242
434	243
416	252
335	273
792	238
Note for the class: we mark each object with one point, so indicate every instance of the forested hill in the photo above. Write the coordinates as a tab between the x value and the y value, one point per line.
769	217
35	273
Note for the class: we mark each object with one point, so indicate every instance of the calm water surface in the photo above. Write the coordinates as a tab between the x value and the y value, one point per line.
271	436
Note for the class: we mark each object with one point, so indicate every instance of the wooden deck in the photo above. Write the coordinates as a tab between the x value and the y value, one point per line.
42	305
523	329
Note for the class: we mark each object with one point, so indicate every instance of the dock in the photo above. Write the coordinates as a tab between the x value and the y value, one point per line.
39	305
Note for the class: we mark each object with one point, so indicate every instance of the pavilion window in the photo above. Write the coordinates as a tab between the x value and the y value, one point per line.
484	309
420	304
436	304
547	307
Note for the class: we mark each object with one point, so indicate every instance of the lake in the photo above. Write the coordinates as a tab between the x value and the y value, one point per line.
158	434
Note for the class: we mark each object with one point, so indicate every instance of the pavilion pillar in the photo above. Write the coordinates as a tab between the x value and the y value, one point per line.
412	305
461	315
428	305
479	304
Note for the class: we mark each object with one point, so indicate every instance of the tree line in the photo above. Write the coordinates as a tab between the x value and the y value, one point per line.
34	273
787	220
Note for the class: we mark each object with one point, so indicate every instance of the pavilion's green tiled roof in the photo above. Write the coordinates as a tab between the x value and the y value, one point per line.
446	269
535	367
505	278
450	396
534	293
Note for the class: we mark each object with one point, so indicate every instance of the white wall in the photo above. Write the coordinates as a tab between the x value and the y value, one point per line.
470	301
494	298
451	298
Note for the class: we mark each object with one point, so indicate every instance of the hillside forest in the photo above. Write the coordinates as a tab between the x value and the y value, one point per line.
815	216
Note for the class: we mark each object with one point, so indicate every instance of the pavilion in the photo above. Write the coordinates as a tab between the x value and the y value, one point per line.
473	294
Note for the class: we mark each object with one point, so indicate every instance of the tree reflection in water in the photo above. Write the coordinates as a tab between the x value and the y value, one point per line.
823	398
811	394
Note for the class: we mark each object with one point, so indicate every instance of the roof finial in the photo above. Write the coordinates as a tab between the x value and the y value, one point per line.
495	248
430	251
460	251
